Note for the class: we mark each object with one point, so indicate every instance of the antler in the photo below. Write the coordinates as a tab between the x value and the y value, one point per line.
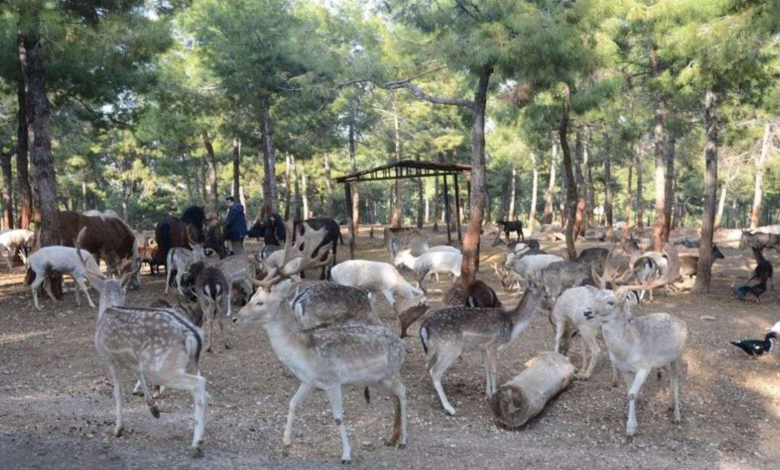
302	249
78	242
672	273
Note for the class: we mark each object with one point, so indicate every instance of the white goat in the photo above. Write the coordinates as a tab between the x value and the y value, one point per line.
377	277
179	261
61	259
431	263
530	267
13	240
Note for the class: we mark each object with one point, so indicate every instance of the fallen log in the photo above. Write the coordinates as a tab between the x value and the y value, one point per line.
526	395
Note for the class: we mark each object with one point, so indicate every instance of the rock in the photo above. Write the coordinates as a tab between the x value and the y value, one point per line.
707	318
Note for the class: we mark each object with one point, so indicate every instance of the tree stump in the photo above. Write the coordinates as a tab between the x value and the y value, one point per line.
526	395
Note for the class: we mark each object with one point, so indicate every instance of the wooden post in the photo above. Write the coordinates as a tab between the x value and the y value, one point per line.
457	208
447	211
350	227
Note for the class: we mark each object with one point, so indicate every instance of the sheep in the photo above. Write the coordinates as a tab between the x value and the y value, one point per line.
432	263
381	278
61	259
530	267
13	240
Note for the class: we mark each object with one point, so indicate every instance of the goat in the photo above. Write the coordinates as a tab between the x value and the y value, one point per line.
571	315
449	331
213	291
530	267
398	259
179	261
431	263
325	358
16	240
559	276
147	248
760	240
637	345
594	257
524	249
328	304
508	227
648	267
481	295
381	278
689	264
60	259
158	344
764	270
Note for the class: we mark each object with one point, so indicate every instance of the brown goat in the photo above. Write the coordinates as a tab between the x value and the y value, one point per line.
481	295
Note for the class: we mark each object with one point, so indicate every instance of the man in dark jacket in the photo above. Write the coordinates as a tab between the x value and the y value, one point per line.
235	225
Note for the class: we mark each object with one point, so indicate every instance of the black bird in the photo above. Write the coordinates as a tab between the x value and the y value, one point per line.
757	347
757	289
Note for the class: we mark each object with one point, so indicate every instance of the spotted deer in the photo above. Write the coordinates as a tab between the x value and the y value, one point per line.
329	357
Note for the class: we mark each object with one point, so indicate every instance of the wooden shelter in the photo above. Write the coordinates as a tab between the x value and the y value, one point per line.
406	169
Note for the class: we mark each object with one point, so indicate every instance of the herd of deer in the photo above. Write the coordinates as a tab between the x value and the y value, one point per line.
328	334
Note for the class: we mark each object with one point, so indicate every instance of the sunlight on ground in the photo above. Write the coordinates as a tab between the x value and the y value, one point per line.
17	337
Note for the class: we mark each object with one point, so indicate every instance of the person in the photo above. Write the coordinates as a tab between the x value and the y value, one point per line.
235	225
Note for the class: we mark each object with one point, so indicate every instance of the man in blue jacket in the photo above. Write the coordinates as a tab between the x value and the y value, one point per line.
235	225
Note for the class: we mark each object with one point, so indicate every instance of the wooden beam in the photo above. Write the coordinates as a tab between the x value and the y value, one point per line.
350	227
457	208
447	212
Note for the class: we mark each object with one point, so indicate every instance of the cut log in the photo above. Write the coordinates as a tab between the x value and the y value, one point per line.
526	395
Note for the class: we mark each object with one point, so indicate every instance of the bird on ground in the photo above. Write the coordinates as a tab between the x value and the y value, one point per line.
743	291
757	347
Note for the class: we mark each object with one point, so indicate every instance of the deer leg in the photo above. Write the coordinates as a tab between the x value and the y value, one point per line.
149	401
398	438
487	372
589	340
81	285
615	372
118	399
168	272
492	360
39	279
560	330
436	371
674	379
334	395
196	385
297	400
633	392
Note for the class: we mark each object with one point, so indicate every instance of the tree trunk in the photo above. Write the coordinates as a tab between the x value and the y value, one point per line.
470	265
298	199
329	186
421	201
579	181
526	395
84	193
547	216
629	202
304	193
398	209
270	191
43	173
758	195
721	204
669	190
571	189
608	189
658	150
436	204
639	198
22	160
8	199
237	168
211	161
704	273
534	191
353	168
589	188
503	209
288	185
512	195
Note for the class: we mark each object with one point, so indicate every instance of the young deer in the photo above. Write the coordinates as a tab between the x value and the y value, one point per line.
637	345
179	261
451	331
329	357
157	344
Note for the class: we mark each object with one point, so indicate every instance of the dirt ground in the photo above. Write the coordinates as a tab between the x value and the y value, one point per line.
56	404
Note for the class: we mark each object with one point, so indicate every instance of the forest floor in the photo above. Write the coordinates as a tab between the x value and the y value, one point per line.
56	403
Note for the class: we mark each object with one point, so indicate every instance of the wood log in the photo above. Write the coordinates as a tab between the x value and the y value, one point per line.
526	395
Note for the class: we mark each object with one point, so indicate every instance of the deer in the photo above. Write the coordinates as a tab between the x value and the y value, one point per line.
158	344
449	332
637	345
179	260
325	358
61	259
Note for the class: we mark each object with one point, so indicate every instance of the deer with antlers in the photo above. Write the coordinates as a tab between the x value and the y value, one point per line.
329	357
637	345
158	344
